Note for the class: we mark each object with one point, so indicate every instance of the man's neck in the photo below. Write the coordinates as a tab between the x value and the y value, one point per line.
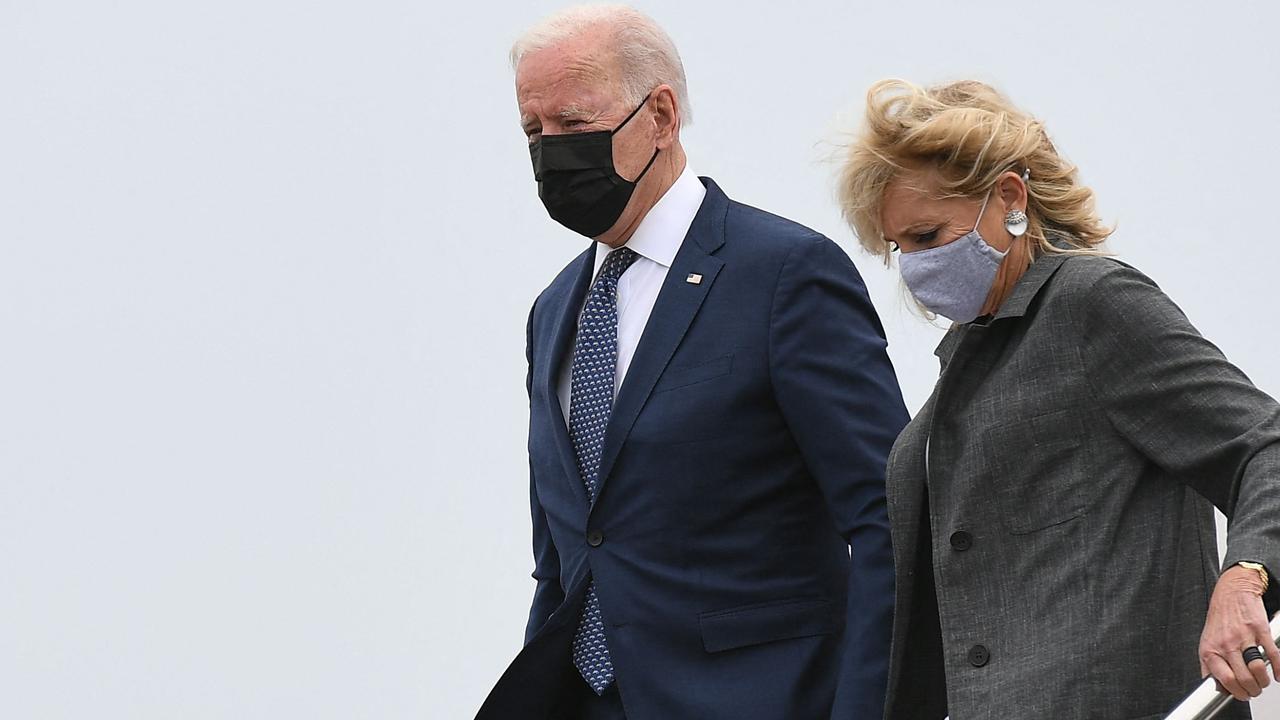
664	173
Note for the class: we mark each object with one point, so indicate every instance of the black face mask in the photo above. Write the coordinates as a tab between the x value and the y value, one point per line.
577	181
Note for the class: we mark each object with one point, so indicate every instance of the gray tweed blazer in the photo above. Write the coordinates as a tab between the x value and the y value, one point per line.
1051	505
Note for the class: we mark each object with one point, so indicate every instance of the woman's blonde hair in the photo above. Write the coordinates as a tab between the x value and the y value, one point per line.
965	134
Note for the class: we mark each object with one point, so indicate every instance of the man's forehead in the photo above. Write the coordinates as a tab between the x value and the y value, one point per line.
587	50
558	80
565	99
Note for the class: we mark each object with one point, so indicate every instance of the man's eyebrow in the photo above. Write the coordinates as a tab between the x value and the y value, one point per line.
528	122
569	111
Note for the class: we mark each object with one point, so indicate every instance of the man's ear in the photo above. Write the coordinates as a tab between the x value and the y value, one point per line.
666	116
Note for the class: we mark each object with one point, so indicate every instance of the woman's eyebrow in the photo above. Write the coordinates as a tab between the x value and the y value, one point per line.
923	225
912	228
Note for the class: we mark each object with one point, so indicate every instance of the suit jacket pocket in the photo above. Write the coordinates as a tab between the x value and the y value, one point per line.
1041	480
678	377
766	622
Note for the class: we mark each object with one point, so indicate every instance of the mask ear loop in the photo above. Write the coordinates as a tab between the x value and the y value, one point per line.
985	200
623	124
653	157
646	168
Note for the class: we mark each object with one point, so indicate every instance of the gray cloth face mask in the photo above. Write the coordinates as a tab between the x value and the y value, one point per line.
954	280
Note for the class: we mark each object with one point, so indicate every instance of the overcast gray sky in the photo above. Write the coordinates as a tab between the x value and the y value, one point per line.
265	268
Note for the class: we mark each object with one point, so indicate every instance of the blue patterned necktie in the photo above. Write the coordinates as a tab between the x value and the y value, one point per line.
595	361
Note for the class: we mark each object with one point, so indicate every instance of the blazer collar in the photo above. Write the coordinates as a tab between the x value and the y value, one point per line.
678	303
568	302
708	225
1029	285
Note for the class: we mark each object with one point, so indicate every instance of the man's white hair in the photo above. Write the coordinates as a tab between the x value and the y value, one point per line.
646	56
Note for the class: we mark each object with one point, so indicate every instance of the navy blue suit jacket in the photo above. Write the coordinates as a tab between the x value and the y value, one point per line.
743	461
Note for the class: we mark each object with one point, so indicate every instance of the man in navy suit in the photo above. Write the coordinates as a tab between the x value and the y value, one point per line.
711	407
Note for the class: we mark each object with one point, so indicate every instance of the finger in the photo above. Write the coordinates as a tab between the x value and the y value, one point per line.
1258	669
1243	676
1225	676
1269	647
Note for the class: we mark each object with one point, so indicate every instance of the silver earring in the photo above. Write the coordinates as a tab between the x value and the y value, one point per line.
1016	223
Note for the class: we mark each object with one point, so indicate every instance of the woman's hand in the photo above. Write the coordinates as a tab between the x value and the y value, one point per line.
1237	620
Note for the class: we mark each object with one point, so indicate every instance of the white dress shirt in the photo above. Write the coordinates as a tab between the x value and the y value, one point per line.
656	241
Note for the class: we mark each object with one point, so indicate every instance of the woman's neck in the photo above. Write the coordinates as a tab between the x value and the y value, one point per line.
1010	272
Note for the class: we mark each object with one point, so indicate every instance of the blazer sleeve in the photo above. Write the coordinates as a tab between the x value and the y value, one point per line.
1175	397
838	393
547	594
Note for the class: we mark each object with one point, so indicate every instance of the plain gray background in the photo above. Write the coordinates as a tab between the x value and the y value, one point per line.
266	266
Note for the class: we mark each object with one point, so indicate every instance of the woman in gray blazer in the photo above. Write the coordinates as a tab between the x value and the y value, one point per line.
1052	503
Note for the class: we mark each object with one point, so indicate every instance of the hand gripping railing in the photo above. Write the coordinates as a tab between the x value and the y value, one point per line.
1207	700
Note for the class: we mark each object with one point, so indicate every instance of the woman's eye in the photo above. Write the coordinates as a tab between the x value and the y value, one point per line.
928	237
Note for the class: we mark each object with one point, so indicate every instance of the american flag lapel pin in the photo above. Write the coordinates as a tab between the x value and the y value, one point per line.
694	279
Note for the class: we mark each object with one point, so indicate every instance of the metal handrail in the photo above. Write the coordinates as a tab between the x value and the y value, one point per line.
1207	700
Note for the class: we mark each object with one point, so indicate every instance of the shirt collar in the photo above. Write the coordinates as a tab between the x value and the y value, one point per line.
662	230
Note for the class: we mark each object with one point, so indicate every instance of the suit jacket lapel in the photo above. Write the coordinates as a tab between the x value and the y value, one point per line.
567	308
678	303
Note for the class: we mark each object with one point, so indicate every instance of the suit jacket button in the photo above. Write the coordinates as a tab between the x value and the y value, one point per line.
961	540
595	538
979	656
